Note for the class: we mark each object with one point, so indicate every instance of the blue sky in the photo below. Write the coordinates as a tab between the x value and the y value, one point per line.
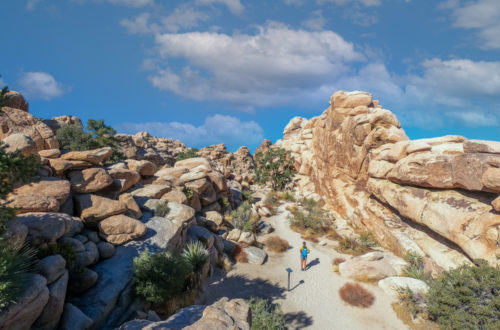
236	71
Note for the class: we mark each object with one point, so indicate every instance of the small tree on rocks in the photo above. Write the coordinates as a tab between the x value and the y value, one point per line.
274	166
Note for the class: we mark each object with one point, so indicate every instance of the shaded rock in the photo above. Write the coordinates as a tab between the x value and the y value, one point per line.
20	142
129	177
496	204
81	280
95	157
119	229
48	227
16	100
183	318
91	249
391	285
15	232
265	227
133	209
372	266
60	166
214	216
218	180
229	247
52	267
225	314
208	197
29	305
255	255
93	208
90	180
106	250
152	204
53	310
74	319
198	233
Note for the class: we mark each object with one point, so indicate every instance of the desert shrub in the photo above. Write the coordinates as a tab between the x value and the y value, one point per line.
272	199
190	153
161	276
276	244
367	240
16	261
189	193
311	216
247	196
3	91
241	217
239	254
467	297
162	210
98	135
415	267
64	249
414	303
266	316
354	294
274	166
288	196
196	254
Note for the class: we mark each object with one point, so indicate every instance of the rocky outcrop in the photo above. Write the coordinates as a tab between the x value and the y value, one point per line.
434	196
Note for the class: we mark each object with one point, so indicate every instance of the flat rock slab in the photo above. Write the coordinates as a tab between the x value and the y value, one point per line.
391	285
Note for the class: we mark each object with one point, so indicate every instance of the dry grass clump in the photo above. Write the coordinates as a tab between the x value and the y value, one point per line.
354	294
239	254
336	262
357	246
276	244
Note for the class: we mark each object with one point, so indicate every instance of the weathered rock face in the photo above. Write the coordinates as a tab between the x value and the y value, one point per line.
357	158
142	146
19	121
225	314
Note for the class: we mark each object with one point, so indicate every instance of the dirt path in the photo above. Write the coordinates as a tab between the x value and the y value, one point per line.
313	302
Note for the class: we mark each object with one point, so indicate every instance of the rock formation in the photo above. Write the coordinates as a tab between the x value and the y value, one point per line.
434	196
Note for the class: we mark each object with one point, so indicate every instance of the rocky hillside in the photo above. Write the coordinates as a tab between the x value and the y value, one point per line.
437	196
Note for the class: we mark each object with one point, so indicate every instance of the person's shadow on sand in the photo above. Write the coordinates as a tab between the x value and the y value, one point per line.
313	263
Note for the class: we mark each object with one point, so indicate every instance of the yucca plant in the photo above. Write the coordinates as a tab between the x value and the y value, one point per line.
196	254
16	261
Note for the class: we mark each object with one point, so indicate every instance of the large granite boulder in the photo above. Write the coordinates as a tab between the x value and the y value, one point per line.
53	309
94	208
120	229
43	196
20	142
95	157
372	266
89	180
48	227
225	314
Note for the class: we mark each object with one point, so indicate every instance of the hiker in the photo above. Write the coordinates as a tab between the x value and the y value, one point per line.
304	251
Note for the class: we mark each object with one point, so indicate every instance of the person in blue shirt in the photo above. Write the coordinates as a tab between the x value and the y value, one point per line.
304	251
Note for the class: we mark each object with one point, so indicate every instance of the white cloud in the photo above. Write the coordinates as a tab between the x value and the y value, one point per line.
41	85
140	24
234	6
316	21
31	4
183	17
455	82
216	129
474	118
294	2
132	3
482	16
366	3
275	66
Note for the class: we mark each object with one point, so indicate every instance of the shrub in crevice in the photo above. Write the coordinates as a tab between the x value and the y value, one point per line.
266	316
241	218
190	153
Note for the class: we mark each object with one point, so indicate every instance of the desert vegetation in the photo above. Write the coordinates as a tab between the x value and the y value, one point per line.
241	218
275	166
356	295
162	210
266	316
276	244
310	216
190	153
415	266
357	245
98	135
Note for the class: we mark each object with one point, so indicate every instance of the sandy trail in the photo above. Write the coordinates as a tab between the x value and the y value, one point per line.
313	302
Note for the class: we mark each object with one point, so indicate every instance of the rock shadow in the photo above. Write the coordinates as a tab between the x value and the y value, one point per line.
298	320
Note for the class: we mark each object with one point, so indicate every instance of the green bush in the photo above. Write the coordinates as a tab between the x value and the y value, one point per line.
196	255
274	166
74	138
272	199
311	216
287	196
190	153
247	196
413	302
189	193
266	316
161	276
415	267
3	91
162	210
16	262
367	240
241	217
64	249
467	297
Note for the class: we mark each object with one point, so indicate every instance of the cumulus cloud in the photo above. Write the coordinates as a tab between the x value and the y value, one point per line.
41	85
140	24
132	3
216	129
277	65
482	16
234	6
366	3
316	21
294	2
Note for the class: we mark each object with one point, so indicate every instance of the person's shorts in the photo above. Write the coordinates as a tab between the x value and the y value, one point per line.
303	258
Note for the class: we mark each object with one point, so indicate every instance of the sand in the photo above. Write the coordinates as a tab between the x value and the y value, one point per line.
313	301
